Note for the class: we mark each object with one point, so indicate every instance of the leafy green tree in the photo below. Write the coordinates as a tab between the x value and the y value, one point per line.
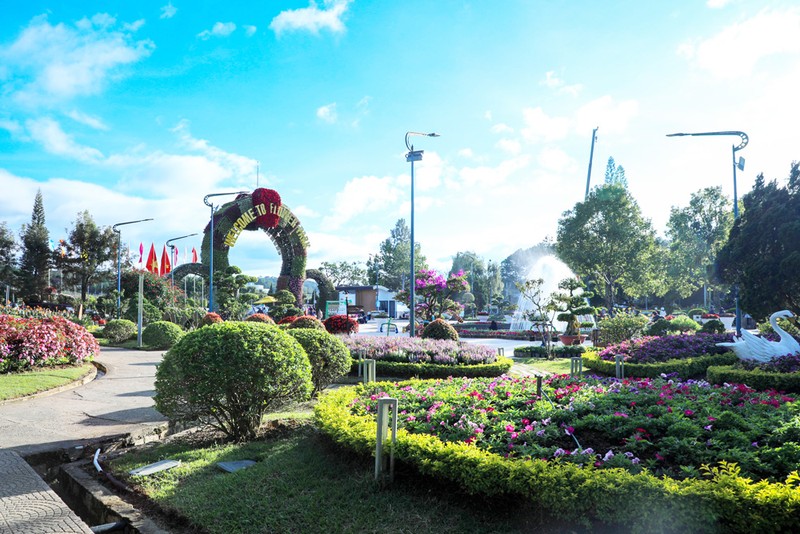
157	289
606	238
615	174
36	256
394	258
8	246
696	233
570	303
345	272
762	254
474	268
87	254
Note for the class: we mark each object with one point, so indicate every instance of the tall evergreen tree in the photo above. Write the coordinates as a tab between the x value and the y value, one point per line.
615	174
8	262
394	258
36	255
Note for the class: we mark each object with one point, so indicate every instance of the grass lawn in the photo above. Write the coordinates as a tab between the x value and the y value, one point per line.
557	366
303	483
15	385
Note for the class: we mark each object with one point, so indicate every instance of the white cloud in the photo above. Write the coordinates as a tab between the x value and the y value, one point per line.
312	18
220	29
488	177
327	113
512	146
556	160
88	120
11	126
168	11
551	80
49	133
133	26
717	4
242	168
613	116
249	30
541	127
502	128
572	90
305	211
487	115
51	63
466	153
735	51
367	194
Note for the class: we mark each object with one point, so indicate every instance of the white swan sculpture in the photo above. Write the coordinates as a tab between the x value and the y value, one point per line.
752	347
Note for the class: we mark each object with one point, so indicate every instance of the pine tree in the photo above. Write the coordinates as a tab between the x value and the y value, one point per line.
36	255
8	262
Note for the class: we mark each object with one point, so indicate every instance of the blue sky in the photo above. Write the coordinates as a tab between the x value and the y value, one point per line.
135	110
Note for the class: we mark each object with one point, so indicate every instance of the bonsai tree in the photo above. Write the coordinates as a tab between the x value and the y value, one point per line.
541	312
571	303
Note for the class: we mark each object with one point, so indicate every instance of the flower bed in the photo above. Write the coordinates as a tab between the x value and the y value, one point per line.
648	455
782	374
405	357
559	351
521	335
654	349
27	342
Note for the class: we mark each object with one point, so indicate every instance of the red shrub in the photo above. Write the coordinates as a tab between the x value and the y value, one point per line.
341	324
260	318
289	319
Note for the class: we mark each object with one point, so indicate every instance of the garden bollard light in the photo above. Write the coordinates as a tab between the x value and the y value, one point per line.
383	422
368	370
620	366
360	362
539	386
576	366
501	351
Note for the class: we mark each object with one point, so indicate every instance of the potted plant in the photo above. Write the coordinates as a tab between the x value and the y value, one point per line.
571	303
727	319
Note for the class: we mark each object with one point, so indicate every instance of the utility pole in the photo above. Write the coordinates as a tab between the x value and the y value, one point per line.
591	157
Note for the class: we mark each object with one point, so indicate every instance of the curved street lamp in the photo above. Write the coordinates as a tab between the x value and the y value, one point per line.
411	157
119	259
743	140
172	253
211	244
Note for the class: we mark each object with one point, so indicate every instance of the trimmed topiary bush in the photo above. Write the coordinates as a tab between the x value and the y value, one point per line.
228	375
329	357
211	318
119	330
260	318
307	321
714	326
621	327
439	329
289	319
682	323
341	324
161	334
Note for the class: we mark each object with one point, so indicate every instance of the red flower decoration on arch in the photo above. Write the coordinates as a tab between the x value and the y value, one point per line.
268	198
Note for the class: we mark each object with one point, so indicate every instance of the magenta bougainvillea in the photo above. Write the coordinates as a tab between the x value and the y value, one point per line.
37	342
433	294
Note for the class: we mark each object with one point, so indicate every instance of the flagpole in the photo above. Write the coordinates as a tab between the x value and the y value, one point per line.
172	250
119	260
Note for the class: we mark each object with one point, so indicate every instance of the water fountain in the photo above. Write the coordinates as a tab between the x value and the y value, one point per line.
552	271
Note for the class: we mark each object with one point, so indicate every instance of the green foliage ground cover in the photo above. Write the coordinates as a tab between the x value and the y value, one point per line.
654	455
301	483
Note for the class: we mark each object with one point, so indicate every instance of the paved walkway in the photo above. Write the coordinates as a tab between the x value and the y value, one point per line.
28	505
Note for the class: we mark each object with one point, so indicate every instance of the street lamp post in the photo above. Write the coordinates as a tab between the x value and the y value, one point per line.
411	157
172	253
743	140
119	259
211	245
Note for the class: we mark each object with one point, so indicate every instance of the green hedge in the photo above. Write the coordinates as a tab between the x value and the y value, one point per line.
724	502
757	379
559	351
434	370
686	368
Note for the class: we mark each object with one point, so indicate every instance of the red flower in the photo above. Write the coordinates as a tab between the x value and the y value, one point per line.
271	201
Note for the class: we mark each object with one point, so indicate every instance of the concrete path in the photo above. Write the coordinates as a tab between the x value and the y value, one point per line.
117	403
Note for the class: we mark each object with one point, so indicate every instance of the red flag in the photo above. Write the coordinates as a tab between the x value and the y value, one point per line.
141	253
175	255
165	265
152	260
194	255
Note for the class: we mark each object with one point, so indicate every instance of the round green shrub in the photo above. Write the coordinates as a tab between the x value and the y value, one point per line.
150	312
119	330
714	326
695	311
260	318
682	323
161	334
307	321
439	329
621	327
228	375
211	318
659	328
329	356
